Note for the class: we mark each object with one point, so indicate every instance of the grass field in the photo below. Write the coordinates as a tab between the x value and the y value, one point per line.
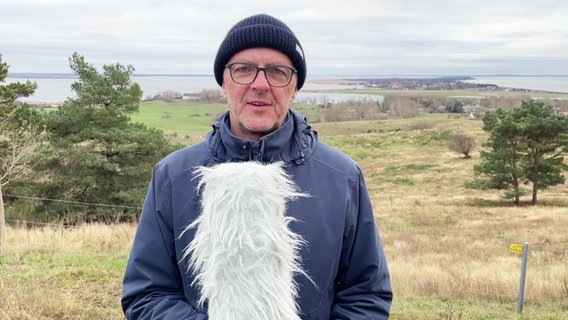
447	246
187	123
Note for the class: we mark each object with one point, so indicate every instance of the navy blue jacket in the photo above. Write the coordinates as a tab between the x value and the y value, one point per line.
343	254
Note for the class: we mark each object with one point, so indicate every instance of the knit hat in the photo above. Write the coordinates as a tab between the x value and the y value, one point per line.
260	30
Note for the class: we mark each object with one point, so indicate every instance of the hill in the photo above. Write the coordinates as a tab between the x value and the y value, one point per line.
447	246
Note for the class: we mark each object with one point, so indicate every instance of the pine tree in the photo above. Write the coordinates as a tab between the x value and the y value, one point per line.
526	145
102	157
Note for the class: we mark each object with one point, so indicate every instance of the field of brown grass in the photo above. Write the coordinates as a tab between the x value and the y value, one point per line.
55	272
447	246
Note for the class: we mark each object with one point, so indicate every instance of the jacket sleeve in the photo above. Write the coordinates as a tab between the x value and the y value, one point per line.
152	285
363	287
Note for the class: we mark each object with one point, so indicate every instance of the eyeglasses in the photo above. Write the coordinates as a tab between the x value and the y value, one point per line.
246	73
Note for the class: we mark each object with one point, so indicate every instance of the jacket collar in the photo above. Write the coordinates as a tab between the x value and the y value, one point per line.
293	142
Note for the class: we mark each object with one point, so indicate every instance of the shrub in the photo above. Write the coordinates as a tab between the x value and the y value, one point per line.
462	143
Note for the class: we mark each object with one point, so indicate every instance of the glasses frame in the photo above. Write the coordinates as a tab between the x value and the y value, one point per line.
263	69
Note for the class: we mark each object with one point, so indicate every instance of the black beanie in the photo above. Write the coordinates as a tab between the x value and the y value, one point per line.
260	30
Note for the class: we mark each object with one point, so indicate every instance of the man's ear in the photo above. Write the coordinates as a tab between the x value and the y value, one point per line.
224	90
293	96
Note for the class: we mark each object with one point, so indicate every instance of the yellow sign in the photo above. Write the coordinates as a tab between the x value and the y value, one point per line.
516	248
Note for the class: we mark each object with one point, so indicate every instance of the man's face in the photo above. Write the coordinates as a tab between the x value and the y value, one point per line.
257	109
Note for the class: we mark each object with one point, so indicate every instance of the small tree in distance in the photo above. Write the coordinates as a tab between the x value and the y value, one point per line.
462	143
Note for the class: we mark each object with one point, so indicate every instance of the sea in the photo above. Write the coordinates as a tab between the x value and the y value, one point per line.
55	88
542	83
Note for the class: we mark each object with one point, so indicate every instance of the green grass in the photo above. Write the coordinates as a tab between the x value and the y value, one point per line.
193	119
187	123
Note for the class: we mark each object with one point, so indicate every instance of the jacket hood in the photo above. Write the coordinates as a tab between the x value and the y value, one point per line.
295	141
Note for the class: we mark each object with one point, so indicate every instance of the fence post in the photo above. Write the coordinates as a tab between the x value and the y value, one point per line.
523	278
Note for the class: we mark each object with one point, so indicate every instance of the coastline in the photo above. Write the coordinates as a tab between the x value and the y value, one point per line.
54	89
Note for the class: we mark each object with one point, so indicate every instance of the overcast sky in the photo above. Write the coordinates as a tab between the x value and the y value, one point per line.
348	37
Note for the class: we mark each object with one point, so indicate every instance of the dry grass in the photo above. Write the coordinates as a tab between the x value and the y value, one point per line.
447	246
64	273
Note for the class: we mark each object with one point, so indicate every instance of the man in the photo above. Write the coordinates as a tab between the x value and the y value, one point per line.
260	66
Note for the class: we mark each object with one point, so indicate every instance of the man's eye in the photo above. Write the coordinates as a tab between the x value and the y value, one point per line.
277	71
243	69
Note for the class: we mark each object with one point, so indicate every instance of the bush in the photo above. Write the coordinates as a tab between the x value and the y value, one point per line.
462	143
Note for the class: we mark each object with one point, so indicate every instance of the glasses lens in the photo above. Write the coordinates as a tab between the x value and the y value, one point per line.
243	73
278	76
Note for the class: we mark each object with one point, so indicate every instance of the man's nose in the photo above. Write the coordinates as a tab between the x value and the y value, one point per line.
261	81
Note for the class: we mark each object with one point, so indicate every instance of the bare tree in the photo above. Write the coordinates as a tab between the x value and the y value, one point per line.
402	107
23	155
20	139
462	143
3	241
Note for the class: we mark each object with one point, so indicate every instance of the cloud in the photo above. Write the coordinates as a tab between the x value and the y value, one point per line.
372	37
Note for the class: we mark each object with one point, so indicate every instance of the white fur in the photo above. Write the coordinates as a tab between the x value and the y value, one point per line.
244	256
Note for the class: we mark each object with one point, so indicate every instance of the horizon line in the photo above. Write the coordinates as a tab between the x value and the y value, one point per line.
370	76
